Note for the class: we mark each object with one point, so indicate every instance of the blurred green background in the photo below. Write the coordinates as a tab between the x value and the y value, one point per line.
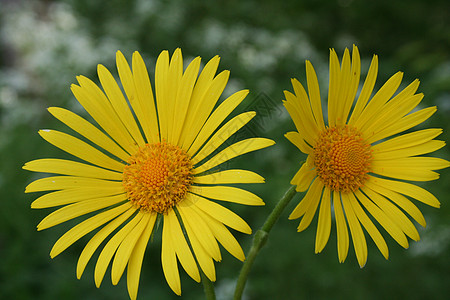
45	44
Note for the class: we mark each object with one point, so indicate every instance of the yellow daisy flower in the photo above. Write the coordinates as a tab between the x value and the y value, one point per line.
157	159
351	162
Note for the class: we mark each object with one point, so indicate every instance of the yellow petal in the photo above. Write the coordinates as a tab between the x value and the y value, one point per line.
359	240
119	104
343	91
204	259
143	103
126	247
366	91
379	99
181	246
296	139
67	182
341	228
80	149
303	177
111	247
424	148
97	105
174	76
238	148
314	95
227	193
220	213
300	111
393	212
126	77
136	258
69	167
202	85
426	163
311	209
202	111
183	98
383	168
89	131
85	227
229	176
78	209
408	189
213	122
201	230
223	236
400	200
334	87
399	106
169	261
369	226
161	78
222	135
312	195
408	174
73	195
98	238
324	223
407	140
301	104
388	224
405	123
353	83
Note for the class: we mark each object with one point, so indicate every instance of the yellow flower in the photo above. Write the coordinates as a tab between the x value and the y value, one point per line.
350	161
157	159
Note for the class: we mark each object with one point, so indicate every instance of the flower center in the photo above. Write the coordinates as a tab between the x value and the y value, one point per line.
342	158
157	177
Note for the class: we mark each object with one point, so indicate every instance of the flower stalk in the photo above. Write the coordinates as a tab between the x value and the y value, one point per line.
260	240
208	287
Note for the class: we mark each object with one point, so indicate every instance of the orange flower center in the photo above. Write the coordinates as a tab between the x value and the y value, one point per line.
342	158
157	177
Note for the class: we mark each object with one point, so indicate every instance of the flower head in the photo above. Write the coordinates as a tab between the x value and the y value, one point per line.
151	156
353	169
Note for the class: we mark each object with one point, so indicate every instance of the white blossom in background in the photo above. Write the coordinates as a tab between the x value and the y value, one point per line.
266	47
47	45
258	50
435	240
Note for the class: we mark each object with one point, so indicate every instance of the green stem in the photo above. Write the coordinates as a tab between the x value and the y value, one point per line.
208	287
260	239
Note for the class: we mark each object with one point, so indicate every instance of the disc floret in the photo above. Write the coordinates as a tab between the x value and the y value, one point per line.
342	158
157	177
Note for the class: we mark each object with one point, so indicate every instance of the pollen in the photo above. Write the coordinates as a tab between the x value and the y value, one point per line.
157	177
342	158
